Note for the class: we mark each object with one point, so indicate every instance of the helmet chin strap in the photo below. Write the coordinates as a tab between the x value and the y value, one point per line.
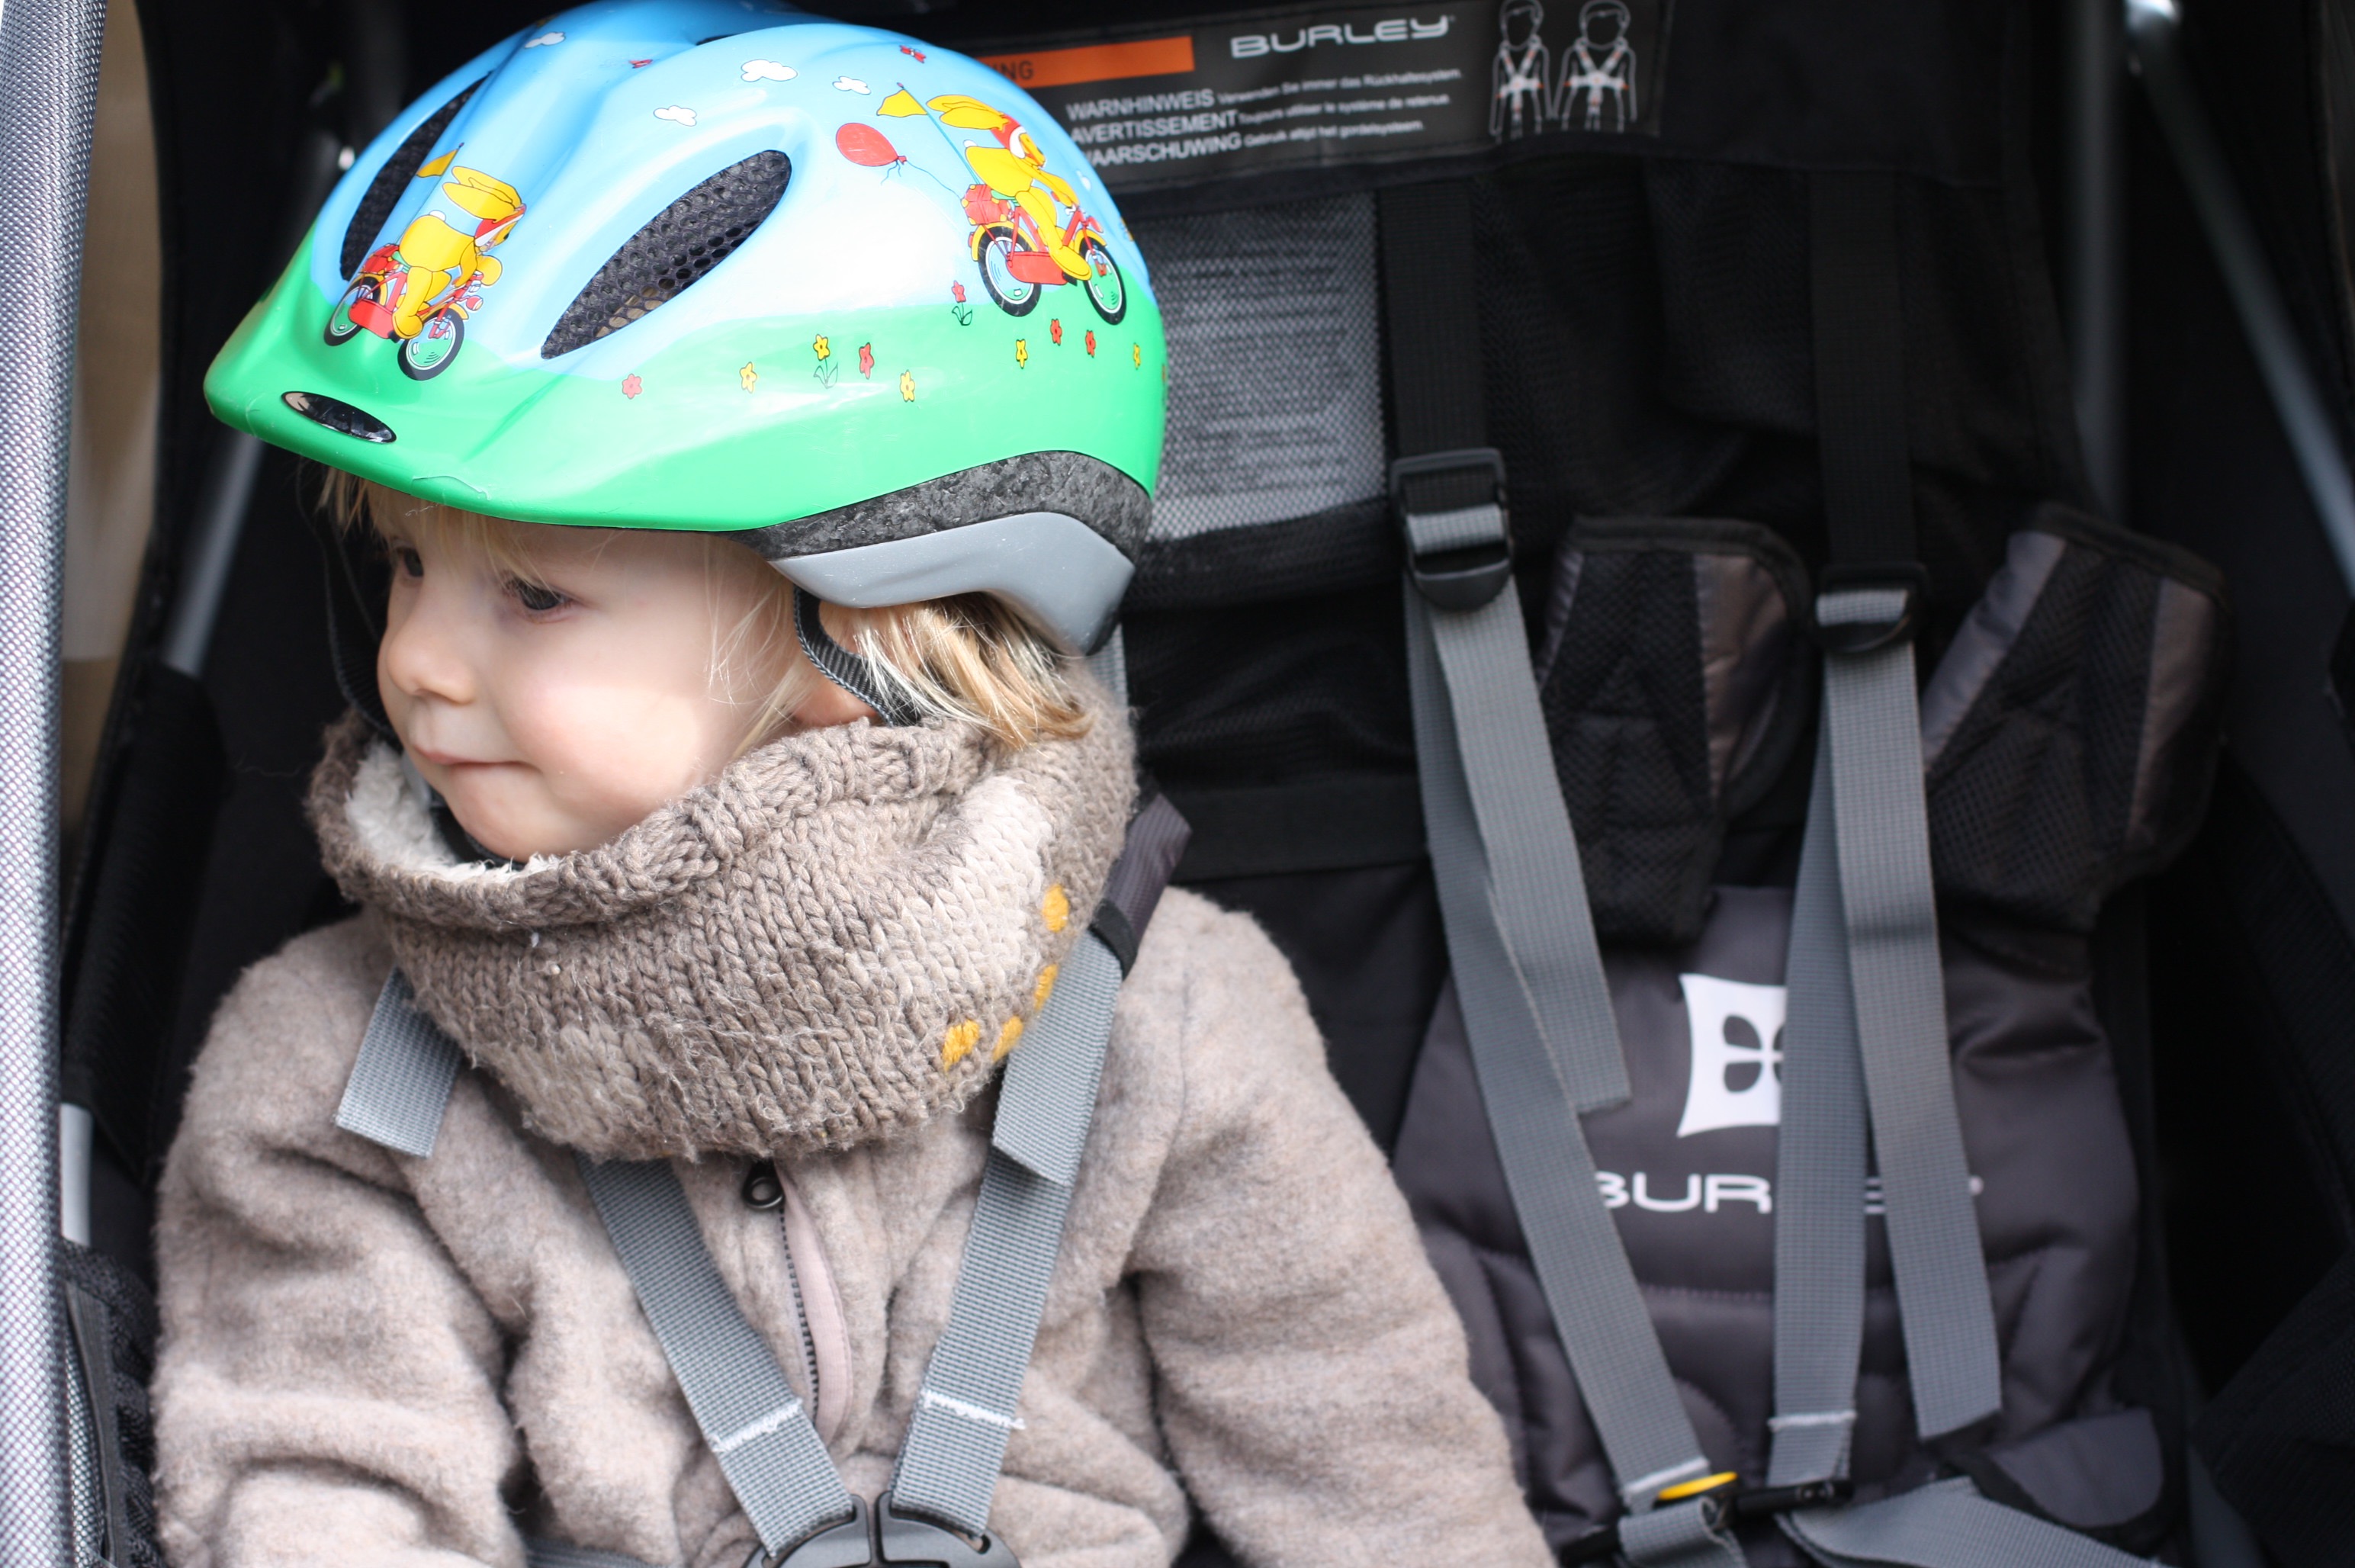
850	671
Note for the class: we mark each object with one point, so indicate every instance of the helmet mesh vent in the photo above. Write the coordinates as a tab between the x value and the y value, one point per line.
384	191
685	241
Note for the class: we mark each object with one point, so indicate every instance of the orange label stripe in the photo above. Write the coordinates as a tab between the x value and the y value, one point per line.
1097	62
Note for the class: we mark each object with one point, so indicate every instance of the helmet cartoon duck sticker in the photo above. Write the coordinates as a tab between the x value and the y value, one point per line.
1019	240
419	290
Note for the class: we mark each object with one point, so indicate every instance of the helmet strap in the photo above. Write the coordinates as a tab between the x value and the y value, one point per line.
854	673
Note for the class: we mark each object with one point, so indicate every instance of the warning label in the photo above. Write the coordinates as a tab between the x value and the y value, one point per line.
1176	104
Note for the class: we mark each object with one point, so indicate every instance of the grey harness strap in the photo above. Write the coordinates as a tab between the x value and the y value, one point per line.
400	1085
1819	1169
1946	1525
949	1464
1866	1038
1882	842
966	1406
757	1427
1597	1309
1520	827
1527	973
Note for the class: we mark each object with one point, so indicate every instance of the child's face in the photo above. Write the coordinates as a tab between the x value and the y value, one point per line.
551	718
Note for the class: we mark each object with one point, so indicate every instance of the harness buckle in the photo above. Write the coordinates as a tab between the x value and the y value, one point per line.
1454	574
880	1533
1722	1505
906	1538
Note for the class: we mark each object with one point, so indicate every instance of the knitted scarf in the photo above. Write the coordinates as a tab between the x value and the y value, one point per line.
832	942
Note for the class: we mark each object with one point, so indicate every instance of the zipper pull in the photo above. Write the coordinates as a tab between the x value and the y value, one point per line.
761	1188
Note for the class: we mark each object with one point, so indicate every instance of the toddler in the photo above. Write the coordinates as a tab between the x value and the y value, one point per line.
665	1165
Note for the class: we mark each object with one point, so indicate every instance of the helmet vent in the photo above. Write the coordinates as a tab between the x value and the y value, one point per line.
685	241
384	191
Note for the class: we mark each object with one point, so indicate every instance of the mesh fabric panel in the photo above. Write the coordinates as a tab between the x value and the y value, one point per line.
130	1329
384	191
1625	709
684	242
1276	392
2031	803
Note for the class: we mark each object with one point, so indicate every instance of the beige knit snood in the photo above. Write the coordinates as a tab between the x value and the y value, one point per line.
830	944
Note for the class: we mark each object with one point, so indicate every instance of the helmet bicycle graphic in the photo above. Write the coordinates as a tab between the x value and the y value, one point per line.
719	265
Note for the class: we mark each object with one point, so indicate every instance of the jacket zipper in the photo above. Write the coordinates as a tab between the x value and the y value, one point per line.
802	1334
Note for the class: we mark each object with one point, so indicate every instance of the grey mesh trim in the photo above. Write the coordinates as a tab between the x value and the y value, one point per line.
1882	838
672	251
1590	1289
1094	492
83	1488
48	62
850	671
400	1082
1946	1525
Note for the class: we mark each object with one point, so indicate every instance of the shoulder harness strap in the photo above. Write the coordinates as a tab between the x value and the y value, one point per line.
1521	939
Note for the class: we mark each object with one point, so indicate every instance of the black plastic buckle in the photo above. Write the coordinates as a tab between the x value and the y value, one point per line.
883	1534
1720	1509
1909	578
907	1538
1462	579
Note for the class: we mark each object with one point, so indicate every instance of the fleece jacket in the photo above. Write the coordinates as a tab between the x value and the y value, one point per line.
370	1359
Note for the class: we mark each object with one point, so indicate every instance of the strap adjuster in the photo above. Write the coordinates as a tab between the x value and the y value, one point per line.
1454	574
1721	1508
1856	626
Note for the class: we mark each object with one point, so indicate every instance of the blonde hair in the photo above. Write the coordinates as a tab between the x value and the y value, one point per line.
971	657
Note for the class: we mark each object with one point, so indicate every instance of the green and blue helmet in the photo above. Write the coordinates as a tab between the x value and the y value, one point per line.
718	265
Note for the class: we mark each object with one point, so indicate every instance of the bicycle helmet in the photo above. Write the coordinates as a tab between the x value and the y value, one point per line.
720	265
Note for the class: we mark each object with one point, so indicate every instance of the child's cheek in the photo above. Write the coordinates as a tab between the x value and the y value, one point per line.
613	739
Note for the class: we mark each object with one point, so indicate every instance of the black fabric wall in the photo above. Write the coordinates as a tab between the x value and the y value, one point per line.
2252	937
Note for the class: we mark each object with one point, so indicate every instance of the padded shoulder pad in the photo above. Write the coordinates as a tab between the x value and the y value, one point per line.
2070	733
1673	683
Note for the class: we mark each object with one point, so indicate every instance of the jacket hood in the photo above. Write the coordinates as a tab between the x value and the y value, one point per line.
833	941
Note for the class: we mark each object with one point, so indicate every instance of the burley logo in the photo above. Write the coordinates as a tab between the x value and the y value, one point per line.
1389	30
1737	1054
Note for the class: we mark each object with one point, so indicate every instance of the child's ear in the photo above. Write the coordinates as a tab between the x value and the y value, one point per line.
828	704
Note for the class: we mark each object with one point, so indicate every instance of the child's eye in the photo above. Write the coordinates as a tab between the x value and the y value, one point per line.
533	597
411	563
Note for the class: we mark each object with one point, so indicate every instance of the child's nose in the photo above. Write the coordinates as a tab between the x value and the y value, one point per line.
422	655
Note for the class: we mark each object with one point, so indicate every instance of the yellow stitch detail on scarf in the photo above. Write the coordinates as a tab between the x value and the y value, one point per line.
1046	987
962	1038
1006	1038
1057	908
